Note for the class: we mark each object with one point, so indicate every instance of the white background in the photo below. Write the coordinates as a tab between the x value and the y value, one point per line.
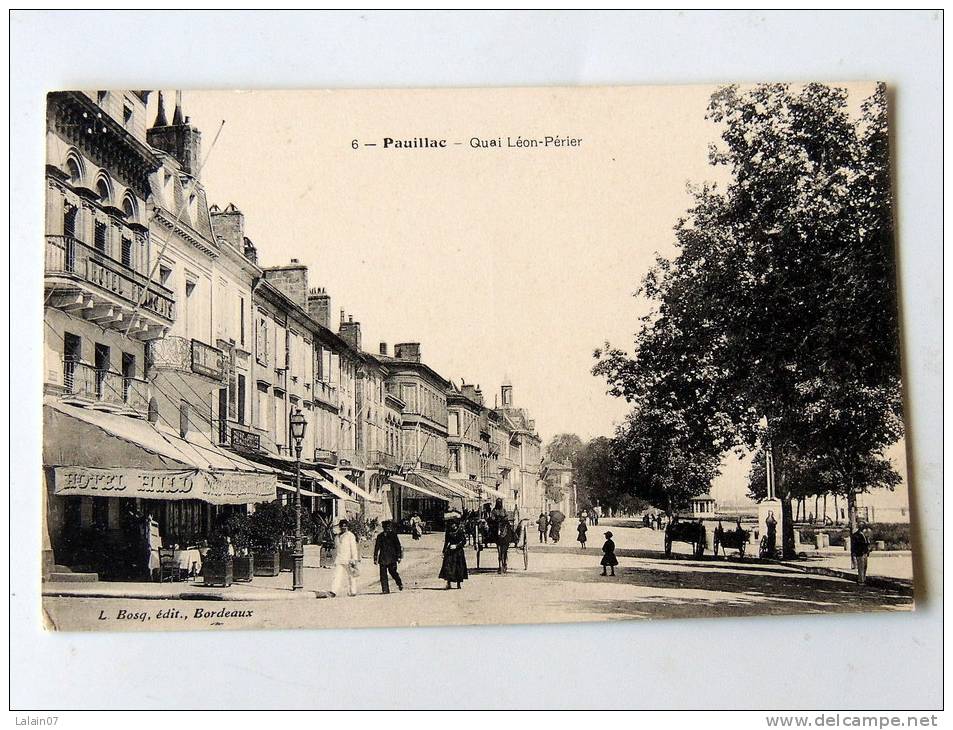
836	662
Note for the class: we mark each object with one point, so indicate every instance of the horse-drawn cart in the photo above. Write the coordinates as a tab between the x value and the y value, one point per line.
736	539
690	532
504	535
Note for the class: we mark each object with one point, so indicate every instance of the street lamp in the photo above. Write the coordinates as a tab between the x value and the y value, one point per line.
298	424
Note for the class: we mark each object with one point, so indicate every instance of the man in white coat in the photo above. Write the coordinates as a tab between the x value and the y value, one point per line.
346	560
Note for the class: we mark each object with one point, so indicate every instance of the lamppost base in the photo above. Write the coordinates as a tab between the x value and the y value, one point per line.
297	571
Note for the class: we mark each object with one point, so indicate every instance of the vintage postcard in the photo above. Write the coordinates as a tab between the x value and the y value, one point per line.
325	359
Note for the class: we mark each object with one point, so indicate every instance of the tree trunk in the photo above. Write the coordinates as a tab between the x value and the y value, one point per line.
836	512
787	523
825	509
816	498
851	520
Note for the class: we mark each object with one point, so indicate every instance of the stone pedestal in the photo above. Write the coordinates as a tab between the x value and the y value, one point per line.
771	506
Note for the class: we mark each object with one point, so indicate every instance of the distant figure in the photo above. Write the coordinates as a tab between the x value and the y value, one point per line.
388	552
771	525
542	523
454	566
581	529
860	549
595	514
609	560
416	526
554	527
584	515
347	560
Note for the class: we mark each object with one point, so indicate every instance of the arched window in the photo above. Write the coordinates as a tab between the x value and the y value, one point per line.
74	170
129	208
102	188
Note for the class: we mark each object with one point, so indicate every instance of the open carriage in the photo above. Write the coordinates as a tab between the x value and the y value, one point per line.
690	532
515	531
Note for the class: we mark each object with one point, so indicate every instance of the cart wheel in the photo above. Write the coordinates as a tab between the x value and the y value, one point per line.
668	546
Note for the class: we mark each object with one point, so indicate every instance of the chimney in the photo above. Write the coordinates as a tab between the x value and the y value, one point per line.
342	315
407	351
506	395
290	280
319	306
383	349
250	252
350	332
180	139
229	224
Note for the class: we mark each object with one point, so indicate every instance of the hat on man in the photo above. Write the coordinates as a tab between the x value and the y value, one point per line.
609	534
343	523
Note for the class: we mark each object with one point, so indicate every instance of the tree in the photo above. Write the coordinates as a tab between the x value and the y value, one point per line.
595	473
780	303
563	448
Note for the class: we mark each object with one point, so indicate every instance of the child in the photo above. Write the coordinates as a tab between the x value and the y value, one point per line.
582	532
609	559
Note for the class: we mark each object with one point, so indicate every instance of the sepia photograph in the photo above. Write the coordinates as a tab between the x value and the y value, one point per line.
339	359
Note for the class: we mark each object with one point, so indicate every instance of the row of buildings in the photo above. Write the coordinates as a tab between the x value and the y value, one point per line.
174	360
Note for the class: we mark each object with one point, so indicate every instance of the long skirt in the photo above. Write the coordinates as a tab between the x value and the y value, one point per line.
454	568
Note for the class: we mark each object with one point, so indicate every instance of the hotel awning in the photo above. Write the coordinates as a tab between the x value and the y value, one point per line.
135	458
326	484
304	492
425	490
434	484
459	486
343	481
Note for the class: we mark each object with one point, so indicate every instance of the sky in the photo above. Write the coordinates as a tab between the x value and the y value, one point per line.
503	262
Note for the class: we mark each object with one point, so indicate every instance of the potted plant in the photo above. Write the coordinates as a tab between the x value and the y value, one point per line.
243	562
265	531
217	567
364	530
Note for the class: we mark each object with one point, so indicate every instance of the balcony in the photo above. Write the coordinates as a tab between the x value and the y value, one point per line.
105	390
353	457
84	281
381	459
325	393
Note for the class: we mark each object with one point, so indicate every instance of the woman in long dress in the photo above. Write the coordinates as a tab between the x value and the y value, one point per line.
454	567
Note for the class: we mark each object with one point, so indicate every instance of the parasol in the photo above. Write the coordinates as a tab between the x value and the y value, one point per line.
556	516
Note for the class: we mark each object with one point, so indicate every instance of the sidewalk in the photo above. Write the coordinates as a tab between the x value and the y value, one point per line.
317	582
889	569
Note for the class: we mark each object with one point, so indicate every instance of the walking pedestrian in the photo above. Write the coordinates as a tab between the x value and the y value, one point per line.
347	560
416	526
581	529
388	552
454	567
860	549
609	560
542	523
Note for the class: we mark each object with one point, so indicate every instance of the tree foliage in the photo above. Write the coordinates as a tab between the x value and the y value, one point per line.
780	303
563	448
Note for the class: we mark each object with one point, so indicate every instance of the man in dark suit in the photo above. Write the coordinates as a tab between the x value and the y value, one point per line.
387	553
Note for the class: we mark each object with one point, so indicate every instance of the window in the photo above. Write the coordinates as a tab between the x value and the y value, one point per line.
127	252
128	373
99	237
102	188
241	399
241	321
102	368
455	460
189	290
165	273
69	219
126	115
102	97
72	354
453	425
